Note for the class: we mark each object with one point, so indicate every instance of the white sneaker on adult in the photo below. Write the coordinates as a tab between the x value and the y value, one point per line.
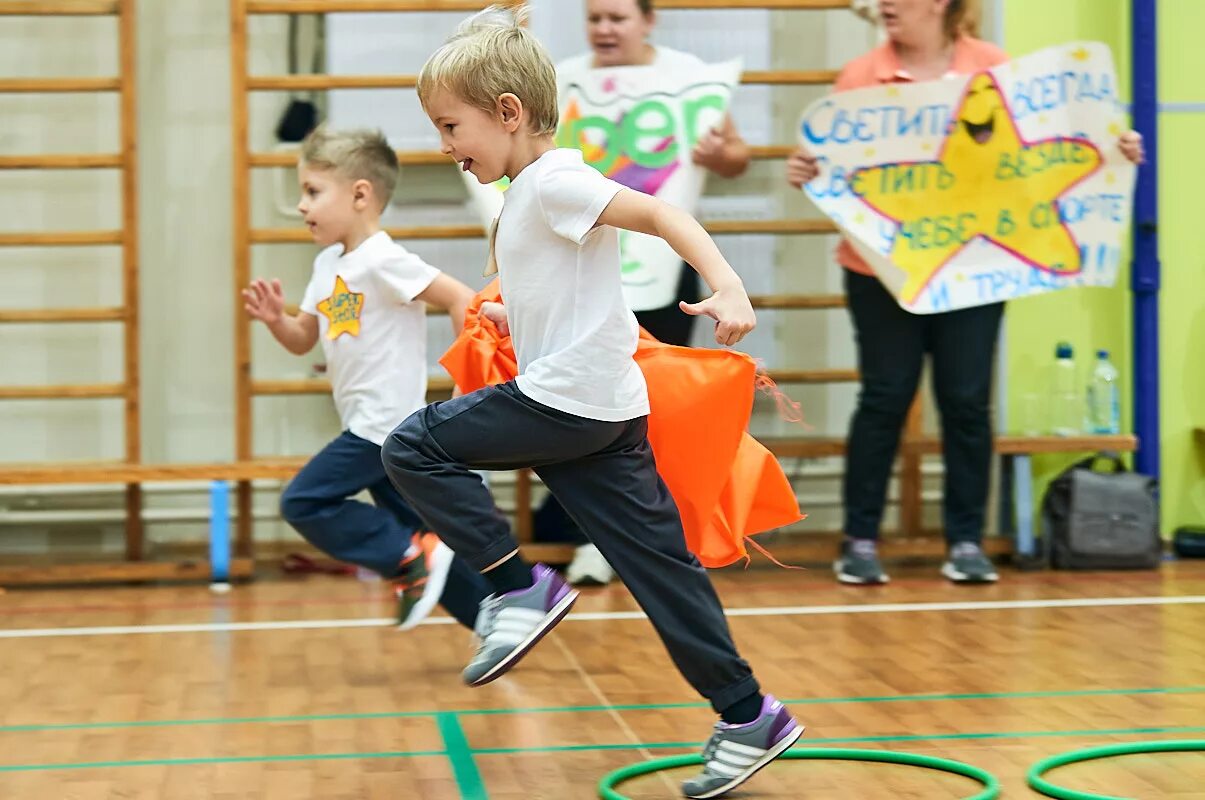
589	568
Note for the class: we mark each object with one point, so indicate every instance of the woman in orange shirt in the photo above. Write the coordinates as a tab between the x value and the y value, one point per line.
926	40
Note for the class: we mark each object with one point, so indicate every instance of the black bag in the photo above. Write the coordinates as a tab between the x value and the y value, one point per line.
1102	520
301	115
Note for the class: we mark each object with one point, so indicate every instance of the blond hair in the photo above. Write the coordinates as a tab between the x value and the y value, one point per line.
492	54
355	155
962	17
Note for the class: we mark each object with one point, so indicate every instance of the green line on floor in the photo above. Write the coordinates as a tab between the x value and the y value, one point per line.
903	698
464	768
469	779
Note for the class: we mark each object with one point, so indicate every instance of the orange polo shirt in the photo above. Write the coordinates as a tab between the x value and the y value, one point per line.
882	65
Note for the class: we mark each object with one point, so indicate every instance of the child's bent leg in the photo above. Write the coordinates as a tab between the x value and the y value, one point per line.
383	537
441	486
463	588
317	504
620	501
429	457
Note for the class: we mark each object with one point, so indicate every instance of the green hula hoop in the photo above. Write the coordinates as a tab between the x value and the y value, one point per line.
991	786
1039	784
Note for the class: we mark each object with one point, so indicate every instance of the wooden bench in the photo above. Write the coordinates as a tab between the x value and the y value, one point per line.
137	474
1016	479
1016	474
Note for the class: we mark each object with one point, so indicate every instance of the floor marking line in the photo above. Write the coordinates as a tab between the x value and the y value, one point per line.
177	762
608	616
611	711
464	768
868	699
485	751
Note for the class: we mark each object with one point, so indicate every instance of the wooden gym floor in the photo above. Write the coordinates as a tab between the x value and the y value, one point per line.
294	689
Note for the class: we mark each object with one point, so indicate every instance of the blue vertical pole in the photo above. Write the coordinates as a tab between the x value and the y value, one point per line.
1145	278
219	531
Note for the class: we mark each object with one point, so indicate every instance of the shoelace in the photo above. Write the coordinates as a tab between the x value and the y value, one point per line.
864	548
487	615
713	744
964	550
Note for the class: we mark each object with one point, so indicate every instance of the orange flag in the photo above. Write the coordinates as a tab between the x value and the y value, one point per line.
726	484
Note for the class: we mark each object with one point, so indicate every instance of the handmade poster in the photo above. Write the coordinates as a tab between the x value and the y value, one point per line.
637	126
981	188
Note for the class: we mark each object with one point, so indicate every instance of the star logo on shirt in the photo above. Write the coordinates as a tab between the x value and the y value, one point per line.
342	309
987	182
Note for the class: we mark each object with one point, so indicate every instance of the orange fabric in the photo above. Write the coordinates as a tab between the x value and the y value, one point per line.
726	484
882	65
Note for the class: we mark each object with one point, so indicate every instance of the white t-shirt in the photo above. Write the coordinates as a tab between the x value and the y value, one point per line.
572	69
373	333
573	334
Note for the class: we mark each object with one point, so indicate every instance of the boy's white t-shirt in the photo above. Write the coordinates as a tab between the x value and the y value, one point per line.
373	333
572	332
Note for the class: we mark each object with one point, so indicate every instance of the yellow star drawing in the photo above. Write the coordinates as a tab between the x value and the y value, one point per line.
985	182
343	309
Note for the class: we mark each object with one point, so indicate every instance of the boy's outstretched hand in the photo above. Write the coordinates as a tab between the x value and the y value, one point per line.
264	301
731	310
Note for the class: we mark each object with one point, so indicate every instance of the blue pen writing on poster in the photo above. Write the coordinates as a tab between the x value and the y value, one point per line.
828	124
1019	280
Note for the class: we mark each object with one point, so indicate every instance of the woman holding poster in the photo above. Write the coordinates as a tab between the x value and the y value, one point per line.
925	40
618	32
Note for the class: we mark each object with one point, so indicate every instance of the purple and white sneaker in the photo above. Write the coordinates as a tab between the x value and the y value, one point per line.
735	752
509	625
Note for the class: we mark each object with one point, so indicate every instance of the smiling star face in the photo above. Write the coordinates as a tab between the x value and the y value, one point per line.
981	107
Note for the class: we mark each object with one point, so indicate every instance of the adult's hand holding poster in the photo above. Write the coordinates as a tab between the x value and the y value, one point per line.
978	189
638	126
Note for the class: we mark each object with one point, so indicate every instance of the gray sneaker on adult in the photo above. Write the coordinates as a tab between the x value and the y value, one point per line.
509	625
735	752
966	563
859	564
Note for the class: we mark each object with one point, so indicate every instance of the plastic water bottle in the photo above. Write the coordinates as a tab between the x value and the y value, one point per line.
1065	416
1104	403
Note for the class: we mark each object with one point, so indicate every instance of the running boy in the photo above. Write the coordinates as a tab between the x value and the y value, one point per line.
577	412
363	303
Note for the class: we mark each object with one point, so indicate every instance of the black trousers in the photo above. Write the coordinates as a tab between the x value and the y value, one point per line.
668	324
891	346
605	476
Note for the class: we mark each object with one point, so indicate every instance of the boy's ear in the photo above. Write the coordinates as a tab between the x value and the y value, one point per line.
362	194
510	111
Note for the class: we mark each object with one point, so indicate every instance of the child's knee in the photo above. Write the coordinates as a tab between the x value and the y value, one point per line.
295	508
401	450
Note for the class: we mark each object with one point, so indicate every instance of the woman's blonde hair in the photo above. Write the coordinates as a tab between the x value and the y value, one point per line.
491	54
962	17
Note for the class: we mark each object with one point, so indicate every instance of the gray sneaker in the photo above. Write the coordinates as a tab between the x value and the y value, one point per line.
735	752
966	563
509	625
859	564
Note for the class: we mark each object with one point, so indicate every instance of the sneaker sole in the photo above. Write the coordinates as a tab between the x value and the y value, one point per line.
771	754
854	580
550	620
954	575
437	578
